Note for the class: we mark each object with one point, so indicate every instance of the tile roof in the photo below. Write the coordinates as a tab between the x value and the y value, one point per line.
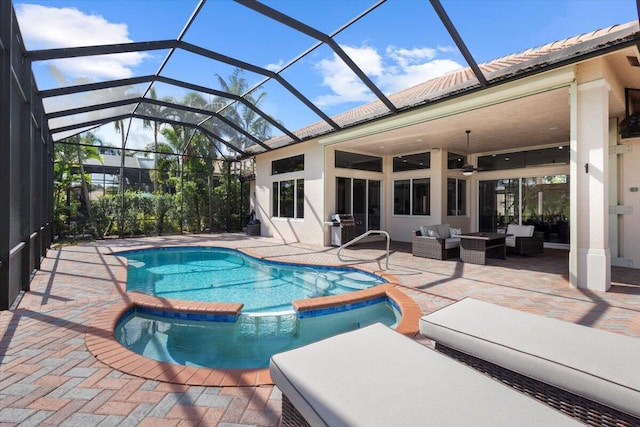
458	81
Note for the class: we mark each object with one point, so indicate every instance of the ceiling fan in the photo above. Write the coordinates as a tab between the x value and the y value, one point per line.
467	168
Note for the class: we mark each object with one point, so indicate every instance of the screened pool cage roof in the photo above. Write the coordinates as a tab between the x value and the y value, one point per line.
284	53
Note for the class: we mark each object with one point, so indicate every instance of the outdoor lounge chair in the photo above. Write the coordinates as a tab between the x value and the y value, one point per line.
375	376
524	240
436	242
587	373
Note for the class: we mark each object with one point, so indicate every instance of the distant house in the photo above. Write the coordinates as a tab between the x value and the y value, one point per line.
105	174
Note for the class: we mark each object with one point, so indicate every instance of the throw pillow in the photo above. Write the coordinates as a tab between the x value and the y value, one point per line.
433	233
455	232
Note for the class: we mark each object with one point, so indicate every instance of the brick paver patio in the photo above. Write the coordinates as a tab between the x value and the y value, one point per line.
48	377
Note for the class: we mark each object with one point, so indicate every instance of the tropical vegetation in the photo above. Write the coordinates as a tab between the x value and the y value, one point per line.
193	183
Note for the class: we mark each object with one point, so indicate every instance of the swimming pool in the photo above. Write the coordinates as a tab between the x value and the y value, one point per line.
243	342
101	340
226	275
217	308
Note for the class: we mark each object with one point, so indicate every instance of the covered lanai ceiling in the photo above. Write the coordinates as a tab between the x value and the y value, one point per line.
307	71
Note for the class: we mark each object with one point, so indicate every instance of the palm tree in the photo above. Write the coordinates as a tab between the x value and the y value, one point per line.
242	115
69	154
119	127
159	112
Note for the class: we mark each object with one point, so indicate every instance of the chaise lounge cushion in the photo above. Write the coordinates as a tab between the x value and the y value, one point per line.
375	376
598	365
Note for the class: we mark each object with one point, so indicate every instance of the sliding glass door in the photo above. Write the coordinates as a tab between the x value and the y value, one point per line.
545	204
360	198
499	204
542	201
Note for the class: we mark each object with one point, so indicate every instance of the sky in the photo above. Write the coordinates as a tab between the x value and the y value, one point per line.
399	44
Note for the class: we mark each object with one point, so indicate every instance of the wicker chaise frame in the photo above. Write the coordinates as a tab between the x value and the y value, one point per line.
432	247
528	245
290	415
583	409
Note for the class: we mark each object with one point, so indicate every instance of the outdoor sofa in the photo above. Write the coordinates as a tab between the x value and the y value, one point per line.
588	373
376	376
523	240
436	241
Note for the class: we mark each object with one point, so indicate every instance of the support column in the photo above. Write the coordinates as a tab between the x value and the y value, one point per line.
438	185
590	265
5	147
228	209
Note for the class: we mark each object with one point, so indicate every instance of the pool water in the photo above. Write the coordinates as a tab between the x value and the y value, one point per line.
208	274
247	343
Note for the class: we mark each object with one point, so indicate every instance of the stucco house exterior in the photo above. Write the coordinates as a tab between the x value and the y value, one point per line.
553	144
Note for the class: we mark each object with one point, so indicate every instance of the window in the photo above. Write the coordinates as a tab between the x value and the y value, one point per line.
412	162
288	198
402	197
456	197
524	159
412	196
290	164
421	193
630	125
358	161
343	195
300	198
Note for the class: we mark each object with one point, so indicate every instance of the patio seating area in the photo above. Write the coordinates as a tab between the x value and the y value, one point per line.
49	377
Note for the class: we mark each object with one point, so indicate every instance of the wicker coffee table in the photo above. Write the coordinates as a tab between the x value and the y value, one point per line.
476	247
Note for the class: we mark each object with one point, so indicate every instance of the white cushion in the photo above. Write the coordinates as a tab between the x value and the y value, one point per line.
452	242
453	232
441	231
510	241
375	376
599	365
424	230
520	230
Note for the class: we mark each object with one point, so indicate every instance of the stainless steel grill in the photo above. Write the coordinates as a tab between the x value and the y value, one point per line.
343	229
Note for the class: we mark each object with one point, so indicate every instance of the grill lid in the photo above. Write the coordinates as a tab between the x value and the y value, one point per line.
344	219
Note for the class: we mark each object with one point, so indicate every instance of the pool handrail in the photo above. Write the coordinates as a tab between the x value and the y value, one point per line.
362	236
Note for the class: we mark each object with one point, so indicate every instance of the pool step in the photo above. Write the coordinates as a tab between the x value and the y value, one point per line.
267	325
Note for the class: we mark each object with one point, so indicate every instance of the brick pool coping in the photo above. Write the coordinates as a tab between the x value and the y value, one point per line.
101	341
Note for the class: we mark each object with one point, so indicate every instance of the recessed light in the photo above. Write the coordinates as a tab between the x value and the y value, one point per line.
561	148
